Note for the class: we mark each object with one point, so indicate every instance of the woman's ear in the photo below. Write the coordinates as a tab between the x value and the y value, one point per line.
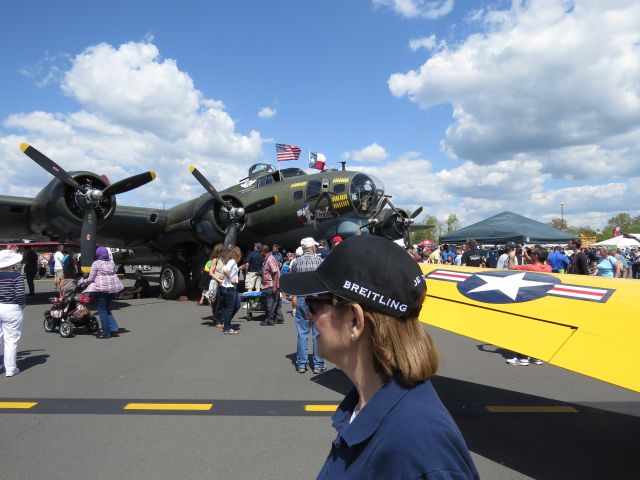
357	323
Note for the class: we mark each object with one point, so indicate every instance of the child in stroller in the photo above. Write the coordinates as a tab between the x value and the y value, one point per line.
69	311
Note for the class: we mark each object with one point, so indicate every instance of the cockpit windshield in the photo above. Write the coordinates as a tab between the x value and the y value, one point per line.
364	195
261	168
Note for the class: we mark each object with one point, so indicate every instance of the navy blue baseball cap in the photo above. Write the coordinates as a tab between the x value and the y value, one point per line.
369	270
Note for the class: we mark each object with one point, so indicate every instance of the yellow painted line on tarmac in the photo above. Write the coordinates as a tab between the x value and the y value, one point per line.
169	406
321	408
531	409
22	405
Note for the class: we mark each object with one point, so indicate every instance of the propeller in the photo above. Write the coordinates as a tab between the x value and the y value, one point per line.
88	199
396	224
231	215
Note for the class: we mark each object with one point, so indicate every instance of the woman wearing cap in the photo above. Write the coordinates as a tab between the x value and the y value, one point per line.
392	424
104	284
11	308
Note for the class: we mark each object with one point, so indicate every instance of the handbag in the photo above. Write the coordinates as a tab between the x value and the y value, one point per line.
212	293
216	273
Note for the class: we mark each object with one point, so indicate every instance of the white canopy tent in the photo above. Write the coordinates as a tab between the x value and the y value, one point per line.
620	242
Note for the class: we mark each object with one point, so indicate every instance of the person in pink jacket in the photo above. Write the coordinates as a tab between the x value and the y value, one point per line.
104	284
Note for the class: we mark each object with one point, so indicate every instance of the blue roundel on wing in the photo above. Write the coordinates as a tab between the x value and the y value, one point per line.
507	286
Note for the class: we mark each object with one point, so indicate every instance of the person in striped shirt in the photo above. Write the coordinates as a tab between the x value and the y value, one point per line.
11	308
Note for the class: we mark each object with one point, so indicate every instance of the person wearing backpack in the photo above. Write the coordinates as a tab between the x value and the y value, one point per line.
69	273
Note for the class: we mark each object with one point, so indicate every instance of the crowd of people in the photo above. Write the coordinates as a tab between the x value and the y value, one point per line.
573	258
354	316
262	269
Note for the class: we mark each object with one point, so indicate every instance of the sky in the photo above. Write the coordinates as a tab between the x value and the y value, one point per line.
470	108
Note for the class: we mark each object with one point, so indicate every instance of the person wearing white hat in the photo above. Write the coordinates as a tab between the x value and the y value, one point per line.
307	262
11	308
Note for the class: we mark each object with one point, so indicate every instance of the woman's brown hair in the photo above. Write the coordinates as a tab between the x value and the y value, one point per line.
217	251
402	347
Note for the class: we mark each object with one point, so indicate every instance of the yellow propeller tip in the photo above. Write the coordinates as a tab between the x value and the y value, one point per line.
24	146
153	175
191	168
85	269
276	199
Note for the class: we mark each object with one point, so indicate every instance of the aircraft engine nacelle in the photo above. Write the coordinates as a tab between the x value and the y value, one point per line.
211	218
56	212
393	227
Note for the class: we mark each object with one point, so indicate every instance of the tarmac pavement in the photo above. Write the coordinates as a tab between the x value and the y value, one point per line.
234	406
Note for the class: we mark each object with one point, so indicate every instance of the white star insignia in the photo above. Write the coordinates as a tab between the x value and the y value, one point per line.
508	285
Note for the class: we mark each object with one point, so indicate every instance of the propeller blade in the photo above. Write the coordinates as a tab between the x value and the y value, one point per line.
260	204
130	183
206	184
49	165
231	234
416	213
88	239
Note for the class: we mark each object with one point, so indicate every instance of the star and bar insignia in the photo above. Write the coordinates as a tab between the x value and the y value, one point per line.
513	286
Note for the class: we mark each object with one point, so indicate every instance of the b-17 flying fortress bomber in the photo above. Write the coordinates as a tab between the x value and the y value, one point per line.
269	205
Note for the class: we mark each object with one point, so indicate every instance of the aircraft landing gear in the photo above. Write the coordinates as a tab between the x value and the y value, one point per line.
173	281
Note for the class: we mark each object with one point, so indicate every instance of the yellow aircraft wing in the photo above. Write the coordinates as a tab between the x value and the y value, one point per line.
590	325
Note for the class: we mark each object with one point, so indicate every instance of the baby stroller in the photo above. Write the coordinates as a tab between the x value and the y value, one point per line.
70	312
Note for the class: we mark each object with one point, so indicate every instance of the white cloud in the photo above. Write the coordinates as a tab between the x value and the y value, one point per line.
267	112
546	91
430	9
137	112
475	192
370	153
428	43
544	76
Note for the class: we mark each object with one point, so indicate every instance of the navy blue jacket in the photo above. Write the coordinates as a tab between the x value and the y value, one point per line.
401	433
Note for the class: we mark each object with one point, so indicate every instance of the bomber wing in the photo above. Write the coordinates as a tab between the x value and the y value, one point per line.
588	325
15	217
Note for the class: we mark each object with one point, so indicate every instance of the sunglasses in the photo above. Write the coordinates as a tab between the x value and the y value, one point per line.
315	302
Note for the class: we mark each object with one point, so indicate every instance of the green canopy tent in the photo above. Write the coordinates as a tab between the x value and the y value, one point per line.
508	227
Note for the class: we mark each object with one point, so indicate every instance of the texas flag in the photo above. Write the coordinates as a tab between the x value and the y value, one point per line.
317	160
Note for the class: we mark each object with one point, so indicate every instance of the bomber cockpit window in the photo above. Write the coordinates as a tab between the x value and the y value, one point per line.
364	195
313	188
261	167
265	181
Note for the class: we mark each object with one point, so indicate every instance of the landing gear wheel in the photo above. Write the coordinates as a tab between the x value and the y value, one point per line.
49	324
172	281
92	325
66	329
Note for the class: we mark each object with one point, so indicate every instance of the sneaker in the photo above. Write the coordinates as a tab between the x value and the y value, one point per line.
11	374
231	331
518	361
266	324
537	361
301	369
318	370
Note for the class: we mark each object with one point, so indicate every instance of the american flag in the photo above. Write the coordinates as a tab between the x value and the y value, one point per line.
287	152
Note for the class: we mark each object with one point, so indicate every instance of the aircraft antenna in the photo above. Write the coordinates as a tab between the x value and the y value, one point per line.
343	163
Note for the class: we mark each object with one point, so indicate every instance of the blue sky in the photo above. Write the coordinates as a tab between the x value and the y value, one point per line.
505	105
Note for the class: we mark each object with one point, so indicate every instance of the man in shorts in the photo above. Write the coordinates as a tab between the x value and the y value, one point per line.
58	270
253	282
